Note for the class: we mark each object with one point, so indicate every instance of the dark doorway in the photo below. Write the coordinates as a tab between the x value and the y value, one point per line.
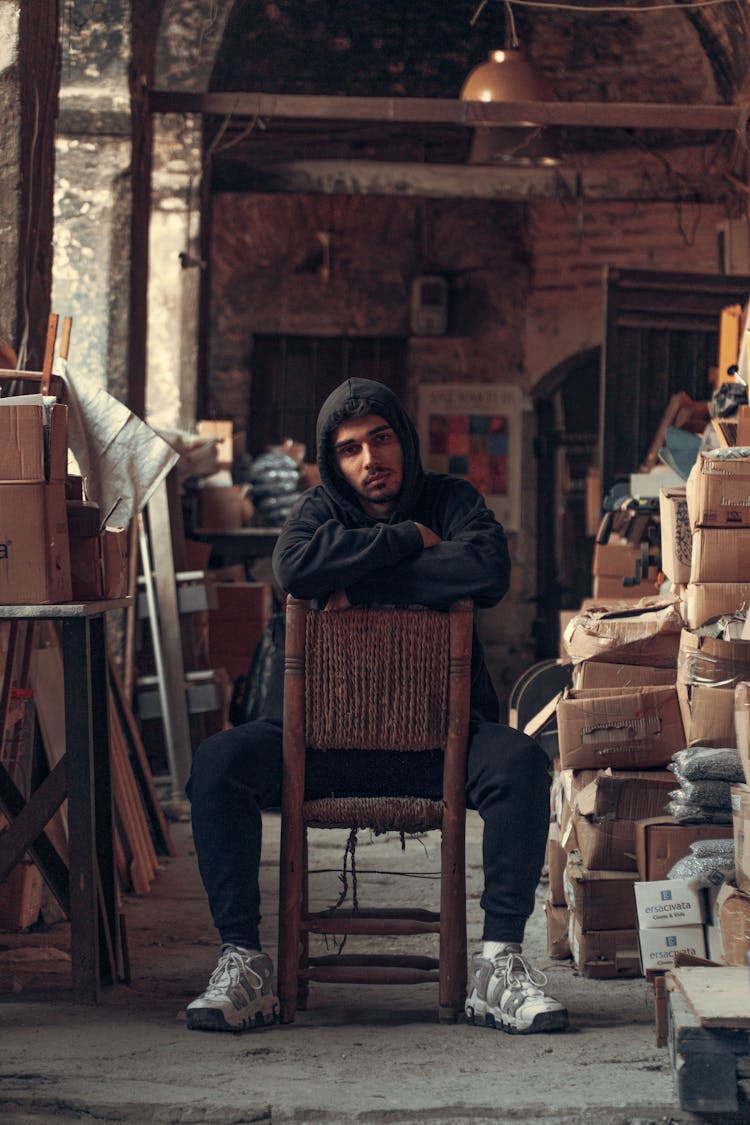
291	376
662	337
567	411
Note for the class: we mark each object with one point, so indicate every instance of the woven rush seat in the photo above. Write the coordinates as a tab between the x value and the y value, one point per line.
379	814
375	679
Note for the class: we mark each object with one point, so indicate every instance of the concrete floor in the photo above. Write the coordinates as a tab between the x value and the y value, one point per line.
357	1055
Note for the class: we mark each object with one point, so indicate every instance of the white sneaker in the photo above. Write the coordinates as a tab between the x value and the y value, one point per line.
239	994
507	993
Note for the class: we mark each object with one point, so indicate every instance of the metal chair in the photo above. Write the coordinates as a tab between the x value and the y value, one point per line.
375	679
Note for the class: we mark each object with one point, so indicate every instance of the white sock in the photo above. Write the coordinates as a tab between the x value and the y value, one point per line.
493	949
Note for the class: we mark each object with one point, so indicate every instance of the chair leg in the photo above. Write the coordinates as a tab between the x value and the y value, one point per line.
453	969
290	901
303	985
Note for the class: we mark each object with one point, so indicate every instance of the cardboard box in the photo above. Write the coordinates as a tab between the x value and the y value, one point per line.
221	508
706	600
114	546
715	944
667	903
604	954
676	537
646	633
718	493
742	725
627	728
84	518
659	947
707	714
721	555
243	600
558	945
223	432
610	586
98	564
625	794
595	674
661	840
733	912
34	548
556	859
601	900
605	845
29	449
236	626
615	559
741	831
711	660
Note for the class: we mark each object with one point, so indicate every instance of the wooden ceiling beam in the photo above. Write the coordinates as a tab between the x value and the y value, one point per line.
449	111
451	181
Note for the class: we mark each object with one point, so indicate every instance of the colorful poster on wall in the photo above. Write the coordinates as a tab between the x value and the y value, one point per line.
473	430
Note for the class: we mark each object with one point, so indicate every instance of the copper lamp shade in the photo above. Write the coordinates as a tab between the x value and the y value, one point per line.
507	76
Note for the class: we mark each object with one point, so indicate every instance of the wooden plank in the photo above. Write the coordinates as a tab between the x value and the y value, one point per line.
452	111
167	642
720	997
49	353
123	715
446	181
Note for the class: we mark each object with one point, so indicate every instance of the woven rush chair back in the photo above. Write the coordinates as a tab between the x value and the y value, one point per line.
375	679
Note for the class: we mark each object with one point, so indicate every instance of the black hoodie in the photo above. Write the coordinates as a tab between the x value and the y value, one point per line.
329	543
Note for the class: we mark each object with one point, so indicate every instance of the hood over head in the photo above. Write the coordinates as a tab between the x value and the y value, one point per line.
371	398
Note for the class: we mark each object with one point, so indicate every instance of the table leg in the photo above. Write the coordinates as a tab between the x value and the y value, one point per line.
89	806
109	930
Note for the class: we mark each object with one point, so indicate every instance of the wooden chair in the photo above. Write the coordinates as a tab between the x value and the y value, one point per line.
389	679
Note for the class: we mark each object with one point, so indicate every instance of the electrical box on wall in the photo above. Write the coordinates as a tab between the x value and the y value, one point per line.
429	306
734	246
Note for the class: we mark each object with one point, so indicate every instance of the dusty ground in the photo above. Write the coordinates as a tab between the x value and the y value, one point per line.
377	1055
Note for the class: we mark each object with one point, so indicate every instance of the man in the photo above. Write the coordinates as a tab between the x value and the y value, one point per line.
381	530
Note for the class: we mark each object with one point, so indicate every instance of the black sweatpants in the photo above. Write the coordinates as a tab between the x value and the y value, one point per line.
237	773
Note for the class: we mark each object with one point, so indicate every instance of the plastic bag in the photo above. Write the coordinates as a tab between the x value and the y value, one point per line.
716	794
721	849
704	763
705	871
688	813
260	694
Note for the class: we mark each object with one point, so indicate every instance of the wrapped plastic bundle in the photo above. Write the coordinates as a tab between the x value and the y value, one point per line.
706	763
706	776
274	483
688	812
710	863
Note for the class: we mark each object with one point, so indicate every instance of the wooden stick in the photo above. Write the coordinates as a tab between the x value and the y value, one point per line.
65	338
139	763
49	353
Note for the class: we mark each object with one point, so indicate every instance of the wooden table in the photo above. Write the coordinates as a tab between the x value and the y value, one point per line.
244	544
86	888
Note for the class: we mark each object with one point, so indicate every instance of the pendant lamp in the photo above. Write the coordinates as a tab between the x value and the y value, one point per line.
508	76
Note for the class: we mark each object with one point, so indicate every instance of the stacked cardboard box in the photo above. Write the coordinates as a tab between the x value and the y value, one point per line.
617	729
34	548
711	662
236	624
671	917
733	904
660	842
719	513
625	563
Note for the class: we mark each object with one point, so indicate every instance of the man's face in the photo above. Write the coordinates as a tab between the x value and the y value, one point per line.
371	461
